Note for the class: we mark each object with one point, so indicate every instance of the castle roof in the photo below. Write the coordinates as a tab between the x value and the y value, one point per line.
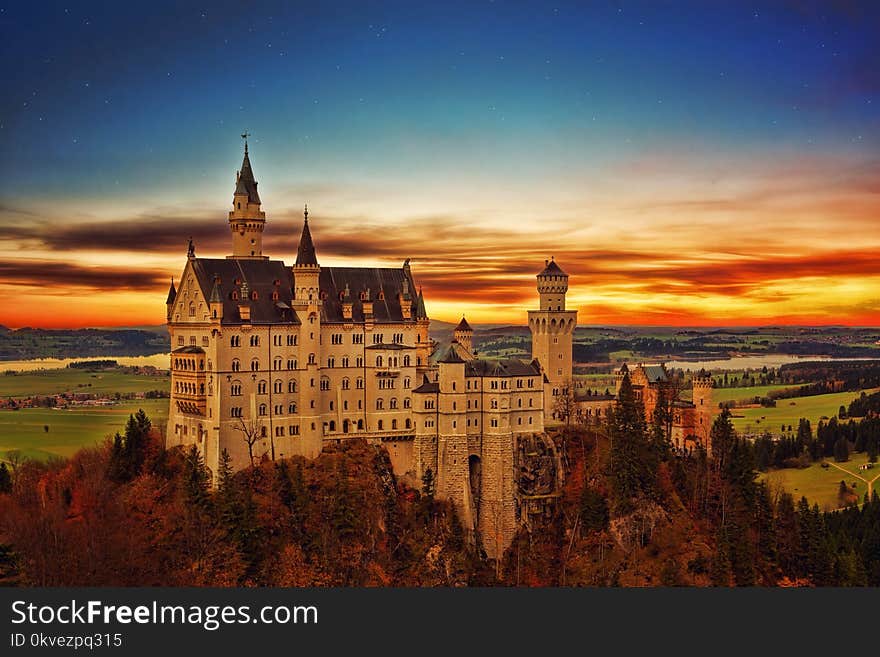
305	253
172	294
382	284
245	183
655	372
501	368
266	277
258	276
427	386
451	355
552	269
464	326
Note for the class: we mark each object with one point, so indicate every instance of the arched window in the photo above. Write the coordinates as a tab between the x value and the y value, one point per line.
393	403
406	360
311	359
394	424
408	423
262	387
262	409
378	361
236	365
255	340
291	409
380	404
380	425
276	364
291	386
279	386
346	384
255	365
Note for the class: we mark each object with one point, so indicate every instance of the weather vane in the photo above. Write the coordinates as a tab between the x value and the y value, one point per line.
245	135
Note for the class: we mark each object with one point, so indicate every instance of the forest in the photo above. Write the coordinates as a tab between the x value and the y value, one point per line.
633	512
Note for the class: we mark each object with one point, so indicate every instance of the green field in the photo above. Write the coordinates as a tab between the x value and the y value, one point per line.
50	382
789	411
820	485
748	393
70	429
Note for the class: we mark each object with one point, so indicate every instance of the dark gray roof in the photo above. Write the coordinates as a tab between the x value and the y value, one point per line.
501	368
245	184
260	276
551	268
388	281
420	312
189	349
451	355
172	293
393	346
464	326
428	386
305	254
655	372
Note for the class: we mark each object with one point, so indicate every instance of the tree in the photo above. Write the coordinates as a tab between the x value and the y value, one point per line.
195	478
841	450
594	509
565	409
251	431
633	461
5	479
428	484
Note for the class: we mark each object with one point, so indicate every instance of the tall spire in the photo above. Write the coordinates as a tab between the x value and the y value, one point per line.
172	293
305	254
245	184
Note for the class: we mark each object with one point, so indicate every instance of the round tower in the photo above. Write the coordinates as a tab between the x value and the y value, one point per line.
705	407
552	328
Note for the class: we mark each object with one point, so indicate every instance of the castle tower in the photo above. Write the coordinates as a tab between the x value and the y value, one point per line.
246	220
552	328
307	304
464	335
453	476
705	408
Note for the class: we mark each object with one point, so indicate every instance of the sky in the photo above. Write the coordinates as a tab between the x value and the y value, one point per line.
686	163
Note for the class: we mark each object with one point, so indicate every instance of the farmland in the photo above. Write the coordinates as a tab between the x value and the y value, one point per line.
69	429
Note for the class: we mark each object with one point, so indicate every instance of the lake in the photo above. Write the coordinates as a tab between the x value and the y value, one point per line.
754	362
156	360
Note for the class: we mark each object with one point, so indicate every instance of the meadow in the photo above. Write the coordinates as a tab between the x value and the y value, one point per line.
820	485
51	382
69	429
789	411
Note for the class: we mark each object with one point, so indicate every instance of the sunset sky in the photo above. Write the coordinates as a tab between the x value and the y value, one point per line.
686	163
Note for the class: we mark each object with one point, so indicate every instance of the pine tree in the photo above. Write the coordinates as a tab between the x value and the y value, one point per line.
195	479
841	450
5	479
633	461
594	509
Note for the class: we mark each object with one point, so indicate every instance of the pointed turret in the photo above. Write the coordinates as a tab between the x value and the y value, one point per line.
215	302
420	306
246	220
245	184
305	254
172	293
463	334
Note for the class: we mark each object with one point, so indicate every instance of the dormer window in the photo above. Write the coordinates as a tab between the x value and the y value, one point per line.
381	295
323	295
275	295
254	296
234	295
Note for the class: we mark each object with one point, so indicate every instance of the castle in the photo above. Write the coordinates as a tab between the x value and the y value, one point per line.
271	360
